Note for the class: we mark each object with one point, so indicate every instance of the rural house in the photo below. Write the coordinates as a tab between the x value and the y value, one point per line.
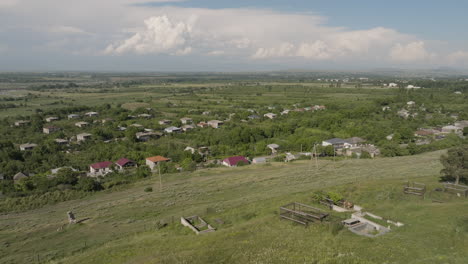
81	124
450	129
27	146
124	163
73	116
83	137
50	129
147	116
270	115
152	162
202	124
355	141
274	148
145	136
91	114
20	123
234	161
186	120
172	129
337	143
215	123
100	168
165	122
61	141
18	176
259	160
186	128
51	119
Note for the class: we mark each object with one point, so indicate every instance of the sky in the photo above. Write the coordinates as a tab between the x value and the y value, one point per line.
219	35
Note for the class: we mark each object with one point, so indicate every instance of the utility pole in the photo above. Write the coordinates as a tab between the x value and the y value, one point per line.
316	158
160	178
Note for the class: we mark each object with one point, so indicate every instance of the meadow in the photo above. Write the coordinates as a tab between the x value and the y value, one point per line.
134	226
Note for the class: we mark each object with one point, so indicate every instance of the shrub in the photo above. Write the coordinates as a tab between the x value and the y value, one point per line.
148	189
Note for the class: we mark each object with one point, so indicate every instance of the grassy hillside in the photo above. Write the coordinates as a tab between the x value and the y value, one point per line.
125	226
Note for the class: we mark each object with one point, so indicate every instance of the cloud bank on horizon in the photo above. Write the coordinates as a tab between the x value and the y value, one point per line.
125	29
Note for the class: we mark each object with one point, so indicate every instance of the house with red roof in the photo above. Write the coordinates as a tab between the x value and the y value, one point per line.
152	162
234	161
125	163
100	168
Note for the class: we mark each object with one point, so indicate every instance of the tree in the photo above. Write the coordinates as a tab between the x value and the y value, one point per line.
67	176
455	164
88	184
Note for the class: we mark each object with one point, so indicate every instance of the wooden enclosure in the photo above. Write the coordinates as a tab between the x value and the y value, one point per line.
415	188
301	213
460	190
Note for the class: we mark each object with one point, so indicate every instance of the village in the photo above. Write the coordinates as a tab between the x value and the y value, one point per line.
350	147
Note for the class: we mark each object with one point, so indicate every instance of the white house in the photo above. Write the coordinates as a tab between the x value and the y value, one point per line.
22	123
186	120
91	114
337	143
451	129
50	129
81	124
100	168
83	137
172	129
215	123
164	122
274	148
27	146
186	128
73	116
270	115
392	85
51	119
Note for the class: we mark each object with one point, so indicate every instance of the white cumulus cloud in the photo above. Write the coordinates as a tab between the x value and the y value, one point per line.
414	51
160	35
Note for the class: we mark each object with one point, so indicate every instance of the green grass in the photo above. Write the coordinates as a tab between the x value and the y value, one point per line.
125	226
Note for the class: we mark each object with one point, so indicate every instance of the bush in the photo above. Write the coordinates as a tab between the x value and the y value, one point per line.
148	189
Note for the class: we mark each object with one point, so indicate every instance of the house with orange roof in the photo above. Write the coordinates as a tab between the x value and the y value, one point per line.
152	162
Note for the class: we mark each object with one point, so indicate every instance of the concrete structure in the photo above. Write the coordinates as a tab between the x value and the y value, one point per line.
197	224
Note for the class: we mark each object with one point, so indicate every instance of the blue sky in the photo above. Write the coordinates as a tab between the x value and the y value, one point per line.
206	35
